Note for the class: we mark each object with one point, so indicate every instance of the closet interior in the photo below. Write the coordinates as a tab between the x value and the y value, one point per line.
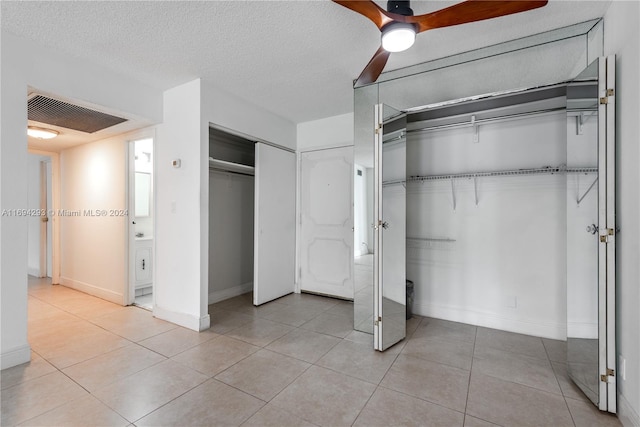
231	215
487	210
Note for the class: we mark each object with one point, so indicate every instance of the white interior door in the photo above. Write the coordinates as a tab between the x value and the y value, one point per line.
275	223
326	255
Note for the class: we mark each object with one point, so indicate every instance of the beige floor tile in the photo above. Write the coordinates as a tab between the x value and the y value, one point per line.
445	330
223	321
216	355
512	342
263	374
142	393
230	303
331	324
80	346
309	302
177	340
293	315
107	368
210	404
587	415
361	337
81	412
40	310
470	421
390	408
37	396
304	345
556	350
133	323
568	387
53	293
37	367
516	368
435	382
413	324
358	360
272	416
260	332
251	310
343	308
96	308
509	404
325	398
453	353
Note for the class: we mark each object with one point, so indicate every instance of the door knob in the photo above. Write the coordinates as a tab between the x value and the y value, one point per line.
385	225
593	229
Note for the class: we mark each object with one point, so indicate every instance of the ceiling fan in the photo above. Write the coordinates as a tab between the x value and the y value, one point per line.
399	27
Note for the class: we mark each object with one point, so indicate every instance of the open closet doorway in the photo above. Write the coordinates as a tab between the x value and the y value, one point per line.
141	230
252	202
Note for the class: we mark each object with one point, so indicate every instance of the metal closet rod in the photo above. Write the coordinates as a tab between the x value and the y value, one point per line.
562	169
476	122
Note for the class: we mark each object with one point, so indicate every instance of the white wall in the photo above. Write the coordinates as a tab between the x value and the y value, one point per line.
179	233
622	38
93	247
231	212
504	264
332	131
23	65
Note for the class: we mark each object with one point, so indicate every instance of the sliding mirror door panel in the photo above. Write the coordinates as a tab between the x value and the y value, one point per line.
591	234
390	227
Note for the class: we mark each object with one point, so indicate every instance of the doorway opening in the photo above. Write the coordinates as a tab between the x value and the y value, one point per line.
141	232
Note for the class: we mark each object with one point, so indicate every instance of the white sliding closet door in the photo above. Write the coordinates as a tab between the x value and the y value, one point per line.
275	223
326	244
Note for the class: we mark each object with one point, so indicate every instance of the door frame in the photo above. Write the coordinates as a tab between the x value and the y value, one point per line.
129	294
51	213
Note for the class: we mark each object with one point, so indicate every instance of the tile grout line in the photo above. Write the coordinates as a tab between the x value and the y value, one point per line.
473	355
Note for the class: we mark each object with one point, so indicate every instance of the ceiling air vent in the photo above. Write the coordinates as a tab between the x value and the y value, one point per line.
58	113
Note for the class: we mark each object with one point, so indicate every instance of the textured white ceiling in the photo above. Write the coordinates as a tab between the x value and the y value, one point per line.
294	58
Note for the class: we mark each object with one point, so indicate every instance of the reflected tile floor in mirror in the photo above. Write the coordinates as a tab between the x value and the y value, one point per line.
294	361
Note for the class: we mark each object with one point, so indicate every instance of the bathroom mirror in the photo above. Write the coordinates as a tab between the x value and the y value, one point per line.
143	194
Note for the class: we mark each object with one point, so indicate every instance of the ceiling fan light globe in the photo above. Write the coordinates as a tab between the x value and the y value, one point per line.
398	37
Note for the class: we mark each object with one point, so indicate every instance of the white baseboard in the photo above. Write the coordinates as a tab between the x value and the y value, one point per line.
15	356
32	271
552	330
626	414
189	321
583	330
87	288
221	295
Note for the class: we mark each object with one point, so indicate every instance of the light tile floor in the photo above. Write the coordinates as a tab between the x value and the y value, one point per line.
293	362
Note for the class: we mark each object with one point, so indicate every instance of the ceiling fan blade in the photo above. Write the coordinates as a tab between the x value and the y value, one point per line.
368	8
374	68
471	11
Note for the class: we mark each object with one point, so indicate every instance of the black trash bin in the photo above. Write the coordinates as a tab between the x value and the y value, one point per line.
409	299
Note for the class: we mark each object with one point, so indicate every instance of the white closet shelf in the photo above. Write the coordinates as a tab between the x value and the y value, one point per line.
225	166
562	169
